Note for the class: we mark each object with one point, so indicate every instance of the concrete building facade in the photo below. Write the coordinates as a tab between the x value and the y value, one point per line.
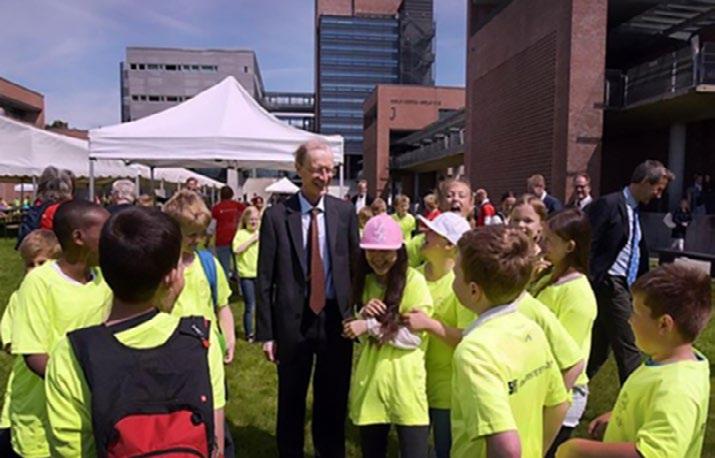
154	79
21	103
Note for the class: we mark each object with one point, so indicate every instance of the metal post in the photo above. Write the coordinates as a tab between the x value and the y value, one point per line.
151	183
34	188
137	184
91	179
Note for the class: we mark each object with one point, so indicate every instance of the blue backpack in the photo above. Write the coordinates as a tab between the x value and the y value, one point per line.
209	266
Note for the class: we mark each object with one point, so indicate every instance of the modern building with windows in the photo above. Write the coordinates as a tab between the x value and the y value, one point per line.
360	44
154	79
295	108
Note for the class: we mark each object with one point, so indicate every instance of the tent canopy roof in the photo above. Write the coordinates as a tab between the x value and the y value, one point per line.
222	126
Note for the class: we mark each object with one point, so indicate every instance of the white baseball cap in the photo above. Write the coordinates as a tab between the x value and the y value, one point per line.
449	225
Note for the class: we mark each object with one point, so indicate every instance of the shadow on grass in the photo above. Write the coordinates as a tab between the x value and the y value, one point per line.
253	441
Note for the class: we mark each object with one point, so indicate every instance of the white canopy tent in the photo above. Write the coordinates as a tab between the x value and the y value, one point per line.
222	126
25	151
283	186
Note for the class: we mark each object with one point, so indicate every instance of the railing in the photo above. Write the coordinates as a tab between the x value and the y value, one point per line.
442	146
296	101
672	73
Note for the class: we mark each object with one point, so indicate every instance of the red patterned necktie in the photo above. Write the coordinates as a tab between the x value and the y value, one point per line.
317	275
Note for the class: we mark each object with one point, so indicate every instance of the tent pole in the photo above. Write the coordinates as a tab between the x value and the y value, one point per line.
137	185
151	184
34	188
22	192
91	180
342	179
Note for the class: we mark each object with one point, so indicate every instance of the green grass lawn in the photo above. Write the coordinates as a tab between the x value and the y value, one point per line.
252	383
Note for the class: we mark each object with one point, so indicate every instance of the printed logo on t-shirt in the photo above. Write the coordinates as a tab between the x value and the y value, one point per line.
513	385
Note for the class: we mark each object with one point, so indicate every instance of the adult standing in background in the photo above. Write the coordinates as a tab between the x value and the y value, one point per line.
227	213
192	184
581	191
122	195
362	198
618	256
308	245
536	185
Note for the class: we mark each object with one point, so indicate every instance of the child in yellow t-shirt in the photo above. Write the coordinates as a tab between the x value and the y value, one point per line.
197	298
444	327
662	409
568	293
388	384
403	217
36	248
53	299
363	216
245	247
112	385
508	397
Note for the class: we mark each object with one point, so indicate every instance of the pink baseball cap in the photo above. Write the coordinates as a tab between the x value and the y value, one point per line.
381	233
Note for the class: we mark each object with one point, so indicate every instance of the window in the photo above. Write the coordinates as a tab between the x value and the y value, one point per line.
141	66
133	66
153	66
154	98
142	97
172	98
186	67
245	69
195	68
135	97
170	67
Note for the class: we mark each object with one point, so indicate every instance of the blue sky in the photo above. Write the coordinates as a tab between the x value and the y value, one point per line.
70	50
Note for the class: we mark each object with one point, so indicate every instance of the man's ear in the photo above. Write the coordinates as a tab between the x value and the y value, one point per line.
77	237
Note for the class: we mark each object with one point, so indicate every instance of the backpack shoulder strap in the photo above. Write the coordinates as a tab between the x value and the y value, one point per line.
209	266
195	326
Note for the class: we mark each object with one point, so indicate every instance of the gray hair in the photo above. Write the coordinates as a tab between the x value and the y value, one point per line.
305	148
652	172
123	191
55	185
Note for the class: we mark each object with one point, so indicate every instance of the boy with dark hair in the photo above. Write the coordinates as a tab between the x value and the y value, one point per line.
157	373
662	408
55	298
508	397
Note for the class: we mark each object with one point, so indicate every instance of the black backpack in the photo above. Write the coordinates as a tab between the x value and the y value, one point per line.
149	402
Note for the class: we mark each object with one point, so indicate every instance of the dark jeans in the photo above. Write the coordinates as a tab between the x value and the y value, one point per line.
248	291
611	329
224	254
325	349
442	431
413	440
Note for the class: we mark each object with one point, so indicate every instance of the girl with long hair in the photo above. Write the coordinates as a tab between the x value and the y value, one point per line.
389	382
245	247
568	293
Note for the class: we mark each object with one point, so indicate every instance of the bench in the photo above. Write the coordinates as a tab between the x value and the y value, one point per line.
704	260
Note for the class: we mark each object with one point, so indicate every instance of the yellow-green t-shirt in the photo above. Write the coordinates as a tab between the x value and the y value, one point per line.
50	304
414	250
6	338
574	304
503	376
565	350
69	399
663	409
406	223
247	262
6	322
438	359
195	299
388	384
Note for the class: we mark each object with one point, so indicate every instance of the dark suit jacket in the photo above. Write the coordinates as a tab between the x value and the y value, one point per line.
282	280
552	204
368	199
609	234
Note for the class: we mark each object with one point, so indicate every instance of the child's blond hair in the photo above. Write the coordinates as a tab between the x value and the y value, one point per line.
246	215
364	215
188	209
39	242
401	199
431	201
378	206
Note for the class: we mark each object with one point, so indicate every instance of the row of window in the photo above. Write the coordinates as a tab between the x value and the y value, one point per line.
356	20
341	113
358	62
341	127
349	47
359	35
359	74
160	98
178	67
357	101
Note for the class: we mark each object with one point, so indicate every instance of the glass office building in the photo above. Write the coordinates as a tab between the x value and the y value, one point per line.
354	54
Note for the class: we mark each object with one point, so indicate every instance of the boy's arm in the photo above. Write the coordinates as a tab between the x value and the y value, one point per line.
226	322
585	448
417	320
553	418
503	445
68	411
219	432
37	363
571	374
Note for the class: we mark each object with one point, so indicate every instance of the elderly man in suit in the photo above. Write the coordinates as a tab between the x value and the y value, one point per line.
308	245
618	256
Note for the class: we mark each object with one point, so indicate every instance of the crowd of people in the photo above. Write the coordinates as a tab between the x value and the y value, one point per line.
478	324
